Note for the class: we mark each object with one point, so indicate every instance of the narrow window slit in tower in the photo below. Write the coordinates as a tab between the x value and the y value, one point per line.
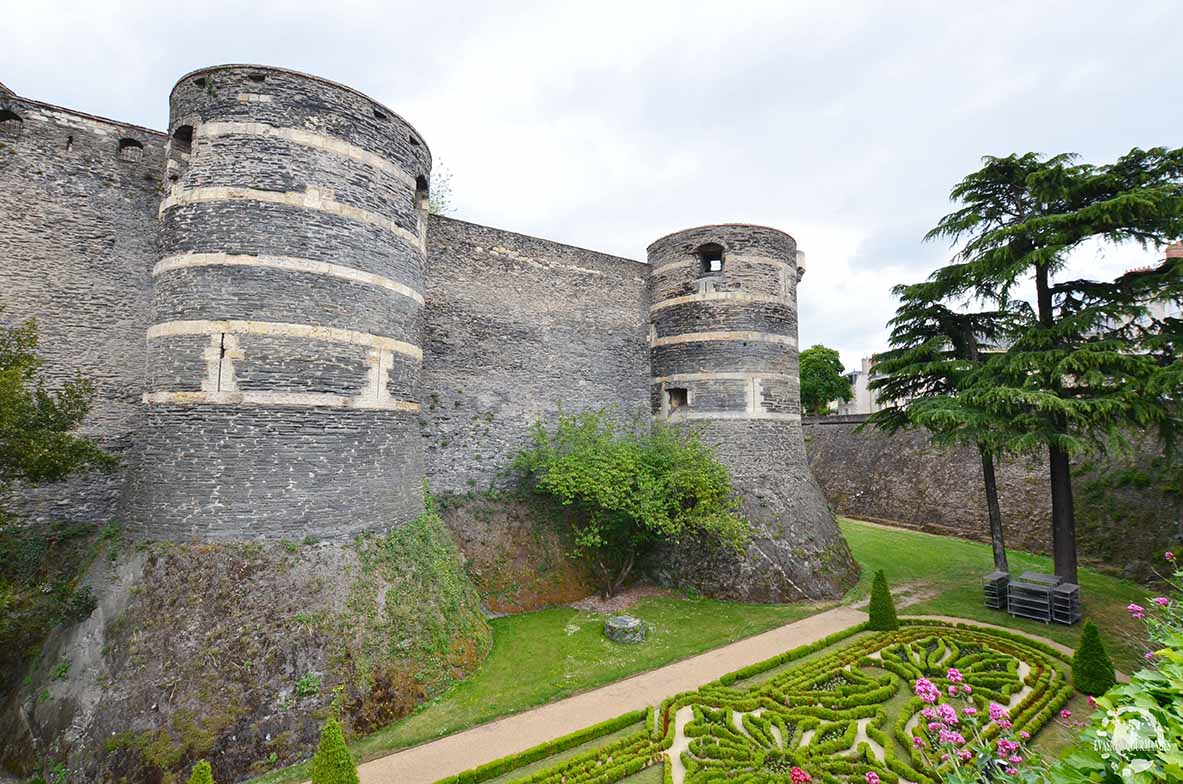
678	398
221	358
69	143
422	192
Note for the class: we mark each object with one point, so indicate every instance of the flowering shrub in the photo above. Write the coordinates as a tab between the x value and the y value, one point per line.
1135	736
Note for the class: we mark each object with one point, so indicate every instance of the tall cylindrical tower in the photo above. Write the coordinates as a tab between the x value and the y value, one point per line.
723	352
284	348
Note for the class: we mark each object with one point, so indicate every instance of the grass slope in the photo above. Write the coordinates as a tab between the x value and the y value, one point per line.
950	570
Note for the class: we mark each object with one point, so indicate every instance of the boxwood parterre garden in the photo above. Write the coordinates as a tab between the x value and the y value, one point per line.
854	707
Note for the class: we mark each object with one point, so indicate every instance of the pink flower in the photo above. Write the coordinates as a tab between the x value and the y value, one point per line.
1137	611
970	711
1012	771
951	738
798	776
996	711
1148	656
944	758
934	726
1065	714
1092	701
925	690
1161	601
952	691
1006	747
1025	735
928	713
947	713
1169	555
965	687
918	742
965	755
1015	758
954	675
872	777
1004	724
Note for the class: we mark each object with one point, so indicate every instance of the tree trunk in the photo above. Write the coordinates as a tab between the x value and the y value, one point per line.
1063	515
997	538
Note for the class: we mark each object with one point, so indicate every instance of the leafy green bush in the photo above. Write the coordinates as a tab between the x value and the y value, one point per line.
621	491
1092	671
332	763
882	608
202	774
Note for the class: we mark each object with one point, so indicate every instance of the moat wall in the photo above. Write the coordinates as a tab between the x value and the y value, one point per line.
1129	509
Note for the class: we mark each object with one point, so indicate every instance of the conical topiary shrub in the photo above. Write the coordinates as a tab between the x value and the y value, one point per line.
1092	671
332	763
202	774
882	609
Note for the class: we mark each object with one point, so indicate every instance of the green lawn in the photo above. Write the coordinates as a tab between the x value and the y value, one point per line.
543	656
951	569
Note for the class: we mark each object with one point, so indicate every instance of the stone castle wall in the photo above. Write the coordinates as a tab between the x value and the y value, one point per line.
1128	508
78	238
291	345
517	329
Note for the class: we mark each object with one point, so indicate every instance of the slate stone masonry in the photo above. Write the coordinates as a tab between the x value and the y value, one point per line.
286	344
723	337
272	413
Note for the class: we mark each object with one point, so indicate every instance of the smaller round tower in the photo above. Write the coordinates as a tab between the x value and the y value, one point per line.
284	350
723	353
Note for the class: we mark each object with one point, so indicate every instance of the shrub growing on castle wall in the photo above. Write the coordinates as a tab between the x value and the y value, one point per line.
622	490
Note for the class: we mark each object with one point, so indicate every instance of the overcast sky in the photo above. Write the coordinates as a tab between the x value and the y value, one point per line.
606	125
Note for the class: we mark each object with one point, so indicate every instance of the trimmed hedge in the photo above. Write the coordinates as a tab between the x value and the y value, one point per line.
738	734
882	607
202	773
1092	670
492	770
332	763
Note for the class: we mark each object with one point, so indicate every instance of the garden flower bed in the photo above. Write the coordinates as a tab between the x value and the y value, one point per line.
910	705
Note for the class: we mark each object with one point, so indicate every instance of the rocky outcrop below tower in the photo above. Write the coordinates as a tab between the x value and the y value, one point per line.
723	352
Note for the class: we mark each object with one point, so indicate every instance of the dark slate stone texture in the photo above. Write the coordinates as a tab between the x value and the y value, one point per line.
514	330
518	328
254	472
77	245
281	467
797	550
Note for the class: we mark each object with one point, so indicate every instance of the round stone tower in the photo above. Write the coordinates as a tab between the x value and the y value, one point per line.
723	352
284	349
